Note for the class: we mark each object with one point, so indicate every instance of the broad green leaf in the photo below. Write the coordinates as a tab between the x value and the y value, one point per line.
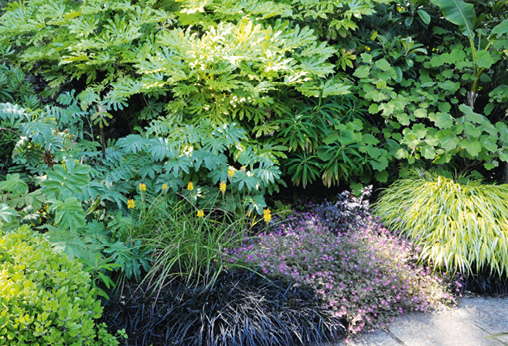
428	152
472	147
14	184
471	130
459	13
443	120
501	28
503	156
382	177
420	113
444	107
66	180
489	143
383	65
362	71
470	115
403	119
380	163
484	59
448	139
68	213
6	213
450	86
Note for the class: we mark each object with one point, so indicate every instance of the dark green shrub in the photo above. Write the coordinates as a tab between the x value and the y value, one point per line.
462	225
45	298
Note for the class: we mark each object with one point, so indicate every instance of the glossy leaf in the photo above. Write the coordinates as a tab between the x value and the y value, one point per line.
459	13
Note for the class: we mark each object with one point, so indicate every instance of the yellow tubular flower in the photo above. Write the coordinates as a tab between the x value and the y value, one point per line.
131	204
200	213
267	215
190	186
231	172
164	186
142	187
222	187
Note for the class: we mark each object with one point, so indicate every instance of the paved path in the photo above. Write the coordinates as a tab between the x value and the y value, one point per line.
469	324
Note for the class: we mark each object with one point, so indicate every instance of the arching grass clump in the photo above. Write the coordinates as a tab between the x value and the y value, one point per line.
457	225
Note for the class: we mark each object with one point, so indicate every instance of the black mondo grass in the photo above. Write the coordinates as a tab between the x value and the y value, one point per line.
241	309
485	283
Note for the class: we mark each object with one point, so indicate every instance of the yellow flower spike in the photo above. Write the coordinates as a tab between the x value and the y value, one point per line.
164	186
131	204
267	215
200	213
231	172
222	186
142	187
190	186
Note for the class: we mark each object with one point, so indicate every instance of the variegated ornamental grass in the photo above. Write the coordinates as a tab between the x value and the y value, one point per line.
457	226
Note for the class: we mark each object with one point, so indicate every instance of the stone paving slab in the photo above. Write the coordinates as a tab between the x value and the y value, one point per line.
469	324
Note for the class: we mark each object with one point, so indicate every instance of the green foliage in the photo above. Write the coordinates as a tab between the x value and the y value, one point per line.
457	225
187	243
15	88
431	100
331	140
228	73
56	28
46	299
203	154
224	72
65	207
460	13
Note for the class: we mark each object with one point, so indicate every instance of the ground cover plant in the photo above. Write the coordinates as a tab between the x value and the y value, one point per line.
458	224
242	308
360	272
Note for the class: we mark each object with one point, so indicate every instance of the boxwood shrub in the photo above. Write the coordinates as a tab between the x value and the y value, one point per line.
45	298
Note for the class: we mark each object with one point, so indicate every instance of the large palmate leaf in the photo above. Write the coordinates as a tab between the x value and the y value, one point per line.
67	180
460	13
69	214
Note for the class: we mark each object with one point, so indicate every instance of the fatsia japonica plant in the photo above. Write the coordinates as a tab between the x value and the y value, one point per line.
256	63
121	49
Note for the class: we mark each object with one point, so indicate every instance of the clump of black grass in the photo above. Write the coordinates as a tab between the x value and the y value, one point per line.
241	309
485	283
